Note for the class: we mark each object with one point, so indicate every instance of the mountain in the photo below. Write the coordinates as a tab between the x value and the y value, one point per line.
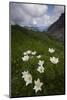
36	28
57	29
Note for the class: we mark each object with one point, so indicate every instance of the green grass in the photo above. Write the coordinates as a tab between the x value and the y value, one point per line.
53	76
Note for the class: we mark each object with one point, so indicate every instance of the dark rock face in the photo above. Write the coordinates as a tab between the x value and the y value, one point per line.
57	29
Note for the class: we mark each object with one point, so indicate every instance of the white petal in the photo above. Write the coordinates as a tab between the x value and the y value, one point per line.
25	58
40	69
41	62
25	53
51	50
38	85
28	52
54	60
39	56
34	53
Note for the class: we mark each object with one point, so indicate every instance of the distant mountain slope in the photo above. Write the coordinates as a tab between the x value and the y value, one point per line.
57	28
28	32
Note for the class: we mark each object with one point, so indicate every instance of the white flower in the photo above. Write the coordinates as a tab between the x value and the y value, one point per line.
40	69
25	53
54	60
25	58
34	53
28	52
27	77
51	50
24	74
38	85
41	62
39	56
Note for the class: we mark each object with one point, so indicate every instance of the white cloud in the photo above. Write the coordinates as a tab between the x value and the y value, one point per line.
34	14
18	15
35	10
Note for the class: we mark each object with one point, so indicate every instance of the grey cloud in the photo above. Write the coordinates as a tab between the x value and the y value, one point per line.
33	15
35	10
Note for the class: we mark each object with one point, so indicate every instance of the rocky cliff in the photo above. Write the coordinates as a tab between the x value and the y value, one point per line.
57	29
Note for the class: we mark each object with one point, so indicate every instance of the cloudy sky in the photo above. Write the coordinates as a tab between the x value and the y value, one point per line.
34	15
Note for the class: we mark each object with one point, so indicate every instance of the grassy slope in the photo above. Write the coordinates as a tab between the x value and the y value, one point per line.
53	77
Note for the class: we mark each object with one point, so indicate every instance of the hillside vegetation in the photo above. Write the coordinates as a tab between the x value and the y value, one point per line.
53	77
